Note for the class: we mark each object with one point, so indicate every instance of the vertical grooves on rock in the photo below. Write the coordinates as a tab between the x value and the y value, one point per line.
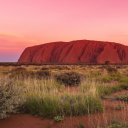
86	45
69	49
56	47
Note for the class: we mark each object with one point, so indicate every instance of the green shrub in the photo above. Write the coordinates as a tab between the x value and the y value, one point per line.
69	78
59	118
122	97
10	97
80	125
115	126
119	107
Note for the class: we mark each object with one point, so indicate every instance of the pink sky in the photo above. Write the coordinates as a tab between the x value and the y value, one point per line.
25	23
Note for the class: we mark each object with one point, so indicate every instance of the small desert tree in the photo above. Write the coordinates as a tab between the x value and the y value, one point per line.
107	62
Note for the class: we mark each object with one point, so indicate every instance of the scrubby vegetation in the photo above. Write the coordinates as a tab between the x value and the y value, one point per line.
69	78
122	97
80	125
10	97
58	118
45	74
118	125
22	73
123	83
111	69
47	91
46	100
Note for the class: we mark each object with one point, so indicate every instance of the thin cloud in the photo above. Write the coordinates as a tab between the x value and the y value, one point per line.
9	35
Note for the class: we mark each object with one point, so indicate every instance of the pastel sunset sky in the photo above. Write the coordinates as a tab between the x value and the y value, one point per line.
26	23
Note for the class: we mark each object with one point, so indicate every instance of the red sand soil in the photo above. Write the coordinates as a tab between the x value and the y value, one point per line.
87	51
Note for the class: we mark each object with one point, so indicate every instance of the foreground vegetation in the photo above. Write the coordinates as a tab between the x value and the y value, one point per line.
44	90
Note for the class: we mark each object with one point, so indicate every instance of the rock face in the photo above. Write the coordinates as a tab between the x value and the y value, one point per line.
86	51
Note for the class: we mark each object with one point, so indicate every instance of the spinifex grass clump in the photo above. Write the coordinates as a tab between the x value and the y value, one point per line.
47	99
107	89
110	77
10	97
69	78
51	105
123	83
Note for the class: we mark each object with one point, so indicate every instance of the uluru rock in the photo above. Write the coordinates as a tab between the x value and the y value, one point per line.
80	51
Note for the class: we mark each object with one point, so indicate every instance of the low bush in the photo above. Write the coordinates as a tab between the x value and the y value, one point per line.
111	69
60	67
80	125
122	97
115	126
119	107
45	74
43	68
69	78
58	118
107	62
10	97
